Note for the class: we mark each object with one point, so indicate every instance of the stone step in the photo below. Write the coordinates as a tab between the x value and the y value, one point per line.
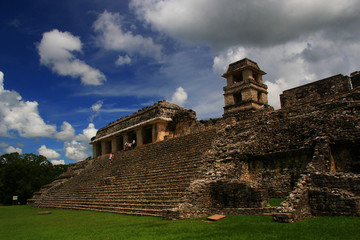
152	206
131	187
119	210
156	201
120	193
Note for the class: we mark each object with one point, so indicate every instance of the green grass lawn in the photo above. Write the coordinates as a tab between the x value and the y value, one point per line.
23	222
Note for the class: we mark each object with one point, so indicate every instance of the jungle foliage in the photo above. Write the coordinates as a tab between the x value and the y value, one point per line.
22	175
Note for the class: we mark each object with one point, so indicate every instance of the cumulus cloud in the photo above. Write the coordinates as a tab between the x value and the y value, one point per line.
57	162
87	133
67	132
114	36
48	153
12	149
76	150
179	97
226	23
79	148
55	50
295	42
21	116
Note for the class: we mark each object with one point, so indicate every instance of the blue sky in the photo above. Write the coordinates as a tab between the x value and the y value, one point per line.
68	68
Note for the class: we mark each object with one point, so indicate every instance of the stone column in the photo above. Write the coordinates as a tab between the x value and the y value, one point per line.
139	137
103	147
125	138
154	132
114	145
95	154
161	131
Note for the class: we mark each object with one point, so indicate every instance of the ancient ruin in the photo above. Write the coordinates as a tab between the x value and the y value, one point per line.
307	152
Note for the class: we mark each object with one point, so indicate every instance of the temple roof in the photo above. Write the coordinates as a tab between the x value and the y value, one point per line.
241	65
160	110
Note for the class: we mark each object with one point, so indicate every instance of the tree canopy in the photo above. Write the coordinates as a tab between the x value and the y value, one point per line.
22	175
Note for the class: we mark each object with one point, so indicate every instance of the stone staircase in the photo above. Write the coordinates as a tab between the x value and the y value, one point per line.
143	181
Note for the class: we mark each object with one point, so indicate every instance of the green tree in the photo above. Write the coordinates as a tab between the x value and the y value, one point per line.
22	175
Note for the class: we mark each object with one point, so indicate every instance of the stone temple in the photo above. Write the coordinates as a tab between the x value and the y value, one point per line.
307	152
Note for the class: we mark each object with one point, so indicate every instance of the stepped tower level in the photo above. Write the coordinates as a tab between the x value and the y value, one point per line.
245	89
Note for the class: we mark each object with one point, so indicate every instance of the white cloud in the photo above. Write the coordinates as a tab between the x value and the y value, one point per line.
295	42
274	91
11	149
21	116
109	26
1	81
87	134
97	106
48	153
67	132
122	60
55	50
179	97
3	145
57	162
222	61
76	150
79	148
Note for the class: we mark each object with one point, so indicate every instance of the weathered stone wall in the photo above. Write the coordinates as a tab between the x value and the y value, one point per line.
275	150
355	79
335	194
346	181
277	172
319	192
315	91
346	155
334	203
296	207
237	194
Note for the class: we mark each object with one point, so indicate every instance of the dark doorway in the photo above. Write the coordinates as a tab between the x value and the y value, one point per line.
132	136
147	134
98	149
108	147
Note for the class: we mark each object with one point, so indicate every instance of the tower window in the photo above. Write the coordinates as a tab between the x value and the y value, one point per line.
237	98
259	96
238	78
256	77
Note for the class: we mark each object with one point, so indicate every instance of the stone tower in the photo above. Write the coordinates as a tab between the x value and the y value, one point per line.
245	89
